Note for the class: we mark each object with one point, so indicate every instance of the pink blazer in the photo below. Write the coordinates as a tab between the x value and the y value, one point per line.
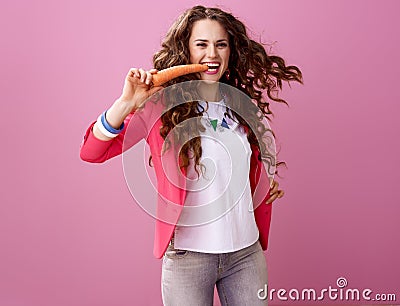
146	125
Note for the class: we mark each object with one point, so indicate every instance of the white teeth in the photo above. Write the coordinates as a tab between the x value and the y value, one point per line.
213	65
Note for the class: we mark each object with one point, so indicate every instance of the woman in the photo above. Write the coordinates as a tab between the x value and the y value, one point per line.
228	250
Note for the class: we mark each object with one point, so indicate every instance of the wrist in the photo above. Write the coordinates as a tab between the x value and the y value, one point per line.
117	113
122	107
105	128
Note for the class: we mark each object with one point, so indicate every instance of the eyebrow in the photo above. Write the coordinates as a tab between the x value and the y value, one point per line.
205	40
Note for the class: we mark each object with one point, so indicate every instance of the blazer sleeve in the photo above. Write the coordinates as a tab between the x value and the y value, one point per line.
94	150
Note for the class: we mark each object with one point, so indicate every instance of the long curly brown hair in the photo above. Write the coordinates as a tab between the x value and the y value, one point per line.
251	70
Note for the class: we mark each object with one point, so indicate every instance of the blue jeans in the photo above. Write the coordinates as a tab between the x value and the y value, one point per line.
188	278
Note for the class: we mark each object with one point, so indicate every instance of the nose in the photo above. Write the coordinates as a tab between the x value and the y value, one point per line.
212	51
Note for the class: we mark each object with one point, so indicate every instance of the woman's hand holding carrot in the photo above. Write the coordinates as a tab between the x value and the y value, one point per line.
137	88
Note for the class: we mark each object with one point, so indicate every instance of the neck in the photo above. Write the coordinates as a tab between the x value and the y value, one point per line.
210	91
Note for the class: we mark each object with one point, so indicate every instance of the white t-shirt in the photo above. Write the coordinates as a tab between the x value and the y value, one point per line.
218	213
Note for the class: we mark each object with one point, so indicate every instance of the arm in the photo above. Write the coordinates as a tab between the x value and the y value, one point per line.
97	147
96	150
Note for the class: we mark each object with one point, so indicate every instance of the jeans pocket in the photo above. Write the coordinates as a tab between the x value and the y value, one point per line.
175	253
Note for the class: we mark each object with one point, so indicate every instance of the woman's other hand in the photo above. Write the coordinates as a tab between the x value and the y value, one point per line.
274	192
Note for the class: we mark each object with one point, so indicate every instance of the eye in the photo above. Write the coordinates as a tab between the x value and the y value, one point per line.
201	44
222	45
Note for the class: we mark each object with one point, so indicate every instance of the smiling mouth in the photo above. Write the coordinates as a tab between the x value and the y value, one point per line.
212	67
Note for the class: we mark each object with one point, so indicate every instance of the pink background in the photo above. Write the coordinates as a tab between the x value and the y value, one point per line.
70	233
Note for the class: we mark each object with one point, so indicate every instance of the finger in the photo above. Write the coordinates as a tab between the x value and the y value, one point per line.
153	71
271	198
275	196
142	75
274	187
132	72
149	77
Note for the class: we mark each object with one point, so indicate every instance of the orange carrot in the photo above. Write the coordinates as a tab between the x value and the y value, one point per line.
168	74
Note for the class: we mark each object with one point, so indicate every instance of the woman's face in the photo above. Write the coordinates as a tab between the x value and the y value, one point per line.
209	44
